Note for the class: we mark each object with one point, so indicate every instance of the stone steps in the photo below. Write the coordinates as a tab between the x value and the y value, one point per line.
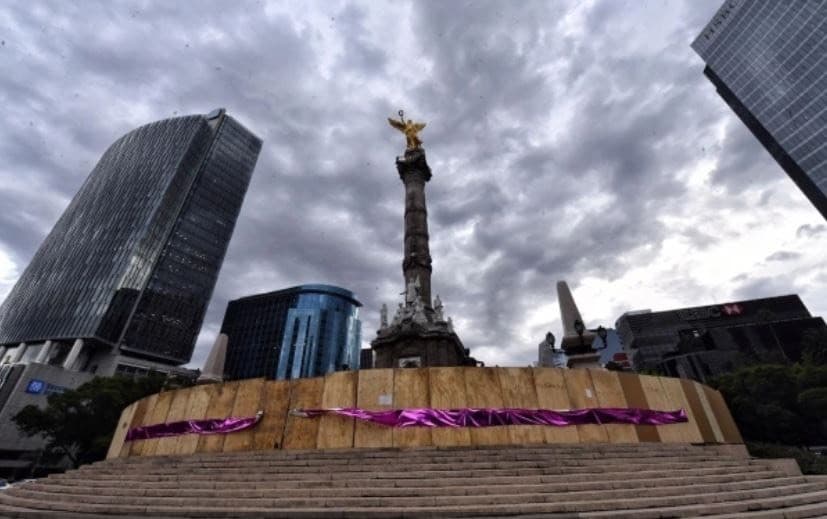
632	481
275	490
414	468
502	495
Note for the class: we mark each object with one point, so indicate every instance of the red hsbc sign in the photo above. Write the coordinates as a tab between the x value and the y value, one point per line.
733	309
706	312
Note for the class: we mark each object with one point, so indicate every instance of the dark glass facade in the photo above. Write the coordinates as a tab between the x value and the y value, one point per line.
303	331
768	61
705	341
133	260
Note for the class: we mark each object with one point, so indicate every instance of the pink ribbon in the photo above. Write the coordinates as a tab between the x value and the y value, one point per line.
427	417
209	426
486	417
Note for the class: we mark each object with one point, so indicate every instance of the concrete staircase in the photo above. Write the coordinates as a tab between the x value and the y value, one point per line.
594	480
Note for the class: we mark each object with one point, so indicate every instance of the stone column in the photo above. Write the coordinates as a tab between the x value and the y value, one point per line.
414	172
74	353
577	346
214	366
43	356
3	350
18	354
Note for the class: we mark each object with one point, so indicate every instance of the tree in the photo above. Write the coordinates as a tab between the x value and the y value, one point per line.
79	423
814	347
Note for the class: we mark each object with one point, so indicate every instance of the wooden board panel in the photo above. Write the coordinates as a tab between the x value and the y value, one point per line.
448	392
375	392
199	402
269	432
698	411
336	432
300	432
581	392
717	434
221	406
156	416
722	414
658	400
518	391
117	443
177	412
411	389
145	405
482	387
552	394
610	394
247	403
636	398
689	431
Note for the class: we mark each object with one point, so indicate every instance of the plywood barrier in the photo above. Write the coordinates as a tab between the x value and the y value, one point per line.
339	391
448	391
220	407
635	397
178	410
269	433
117	444
299	432
552	394
582	395
482	389
719	407
439	388
698	413
201	399
609	393
247	403
517	386
411	389
375	393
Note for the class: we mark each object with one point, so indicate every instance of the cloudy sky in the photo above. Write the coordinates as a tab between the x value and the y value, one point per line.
570	141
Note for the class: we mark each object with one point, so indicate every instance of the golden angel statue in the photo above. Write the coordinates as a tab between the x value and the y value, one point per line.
410	129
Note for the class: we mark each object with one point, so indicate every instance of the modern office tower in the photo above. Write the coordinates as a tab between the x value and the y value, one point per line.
123	280
303	331
704	341
768	61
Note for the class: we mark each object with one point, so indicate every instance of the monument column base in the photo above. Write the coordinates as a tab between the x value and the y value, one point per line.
584	360
418	350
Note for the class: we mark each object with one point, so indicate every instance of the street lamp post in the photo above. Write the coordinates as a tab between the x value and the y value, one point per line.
603	333
579	327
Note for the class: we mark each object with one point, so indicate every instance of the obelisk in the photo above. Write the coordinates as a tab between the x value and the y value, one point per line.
419	334
577	341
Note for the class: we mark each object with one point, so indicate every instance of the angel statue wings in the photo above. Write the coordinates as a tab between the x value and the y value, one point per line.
410	129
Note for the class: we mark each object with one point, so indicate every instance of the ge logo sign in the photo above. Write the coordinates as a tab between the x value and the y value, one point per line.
35	386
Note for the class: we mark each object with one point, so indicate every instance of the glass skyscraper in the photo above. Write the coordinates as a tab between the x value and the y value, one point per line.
768	61
131	264
303	331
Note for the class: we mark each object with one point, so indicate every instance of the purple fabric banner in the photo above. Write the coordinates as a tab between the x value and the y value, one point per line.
213	426
425	417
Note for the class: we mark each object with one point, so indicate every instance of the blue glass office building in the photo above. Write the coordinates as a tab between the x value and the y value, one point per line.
131	264
303	331
768	61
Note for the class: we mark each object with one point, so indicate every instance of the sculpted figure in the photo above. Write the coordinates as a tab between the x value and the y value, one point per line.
410	129
438	309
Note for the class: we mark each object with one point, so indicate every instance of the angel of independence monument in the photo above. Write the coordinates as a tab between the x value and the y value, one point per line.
419	335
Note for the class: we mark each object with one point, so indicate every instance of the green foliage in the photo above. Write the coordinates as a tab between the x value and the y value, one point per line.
814	347
79	423
813	402
809	462
778	403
